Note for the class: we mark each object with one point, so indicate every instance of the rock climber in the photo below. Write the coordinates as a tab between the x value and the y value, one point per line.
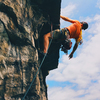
72	31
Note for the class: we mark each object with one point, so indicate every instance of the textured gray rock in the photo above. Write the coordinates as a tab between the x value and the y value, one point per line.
22	26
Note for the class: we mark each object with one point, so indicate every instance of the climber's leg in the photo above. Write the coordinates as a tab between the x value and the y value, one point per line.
46	41
56	34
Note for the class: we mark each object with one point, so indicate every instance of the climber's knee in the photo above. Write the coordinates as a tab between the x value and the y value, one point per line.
46	36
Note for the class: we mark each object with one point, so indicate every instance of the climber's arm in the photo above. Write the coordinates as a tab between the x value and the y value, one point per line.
74	49
67	19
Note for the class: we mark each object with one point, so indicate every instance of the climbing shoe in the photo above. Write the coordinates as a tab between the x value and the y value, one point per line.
41	53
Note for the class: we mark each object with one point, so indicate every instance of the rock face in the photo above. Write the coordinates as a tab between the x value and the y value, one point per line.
22	26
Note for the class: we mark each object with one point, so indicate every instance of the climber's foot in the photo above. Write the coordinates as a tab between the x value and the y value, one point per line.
41	53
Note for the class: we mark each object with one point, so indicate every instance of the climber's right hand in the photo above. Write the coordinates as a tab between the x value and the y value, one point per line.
70	56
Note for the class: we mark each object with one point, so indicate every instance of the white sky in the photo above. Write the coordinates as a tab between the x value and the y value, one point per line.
79	78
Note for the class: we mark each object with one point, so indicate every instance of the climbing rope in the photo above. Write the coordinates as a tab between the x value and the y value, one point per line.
39	66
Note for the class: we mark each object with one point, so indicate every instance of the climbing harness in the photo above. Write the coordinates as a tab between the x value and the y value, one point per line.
66	45
39	66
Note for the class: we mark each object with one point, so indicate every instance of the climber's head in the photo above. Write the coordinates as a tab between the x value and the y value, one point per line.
84	25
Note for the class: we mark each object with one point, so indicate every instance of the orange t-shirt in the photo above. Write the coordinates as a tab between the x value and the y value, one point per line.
75	31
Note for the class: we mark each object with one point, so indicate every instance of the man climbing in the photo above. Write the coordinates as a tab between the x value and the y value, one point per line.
72	31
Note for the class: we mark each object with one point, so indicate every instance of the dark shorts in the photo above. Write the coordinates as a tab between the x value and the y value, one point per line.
60	33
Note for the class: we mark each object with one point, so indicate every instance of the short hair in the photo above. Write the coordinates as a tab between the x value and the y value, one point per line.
85	25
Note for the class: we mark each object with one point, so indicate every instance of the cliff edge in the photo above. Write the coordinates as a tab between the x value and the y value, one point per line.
22	26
